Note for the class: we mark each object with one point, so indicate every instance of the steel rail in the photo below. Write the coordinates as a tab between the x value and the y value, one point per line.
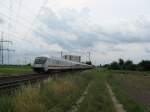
13	81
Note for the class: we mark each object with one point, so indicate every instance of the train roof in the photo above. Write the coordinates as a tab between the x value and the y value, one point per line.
61	59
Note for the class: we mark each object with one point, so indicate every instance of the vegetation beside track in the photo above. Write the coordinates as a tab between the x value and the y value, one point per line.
131	89
14	70
56	94
97	99
59	94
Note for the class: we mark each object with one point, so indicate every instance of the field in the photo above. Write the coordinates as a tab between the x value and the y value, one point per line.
82	91
60	94
132	89
14	70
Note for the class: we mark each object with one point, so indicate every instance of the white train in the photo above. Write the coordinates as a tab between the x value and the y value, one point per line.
45	64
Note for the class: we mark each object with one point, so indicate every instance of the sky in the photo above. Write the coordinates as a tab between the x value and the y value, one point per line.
108	29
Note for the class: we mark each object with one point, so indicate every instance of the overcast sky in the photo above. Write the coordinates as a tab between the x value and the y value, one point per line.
109	29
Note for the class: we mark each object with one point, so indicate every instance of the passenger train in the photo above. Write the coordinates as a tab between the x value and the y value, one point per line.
45	64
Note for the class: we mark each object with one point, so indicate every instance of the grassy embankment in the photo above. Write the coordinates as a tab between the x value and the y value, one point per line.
60	94
132	89
97	99
14	70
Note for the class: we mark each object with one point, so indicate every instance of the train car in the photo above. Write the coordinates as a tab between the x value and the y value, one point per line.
45	64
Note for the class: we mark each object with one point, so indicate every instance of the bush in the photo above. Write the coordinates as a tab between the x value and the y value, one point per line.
144	65
28	100
121	65
128	65
114	65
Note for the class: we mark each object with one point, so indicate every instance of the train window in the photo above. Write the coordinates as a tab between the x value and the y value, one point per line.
40	60
50	61
63	62
60	62
57	62
54	62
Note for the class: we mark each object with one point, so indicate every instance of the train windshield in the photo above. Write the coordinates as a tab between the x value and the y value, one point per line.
40	60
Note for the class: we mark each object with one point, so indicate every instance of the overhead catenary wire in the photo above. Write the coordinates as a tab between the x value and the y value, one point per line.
29	41
31	27
18	13
30	23
23	25
38	14
25	20
22	18
2	48
22	22
36	29
10	16
26	9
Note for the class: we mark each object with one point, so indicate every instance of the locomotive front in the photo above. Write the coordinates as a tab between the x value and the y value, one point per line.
40	64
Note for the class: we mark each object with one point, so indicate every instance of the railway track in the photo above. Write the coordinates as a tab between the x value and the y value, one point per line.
13	81
9	82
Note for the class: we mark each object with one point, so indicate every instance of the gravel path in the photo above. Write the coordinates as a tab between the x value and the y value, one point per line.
117	105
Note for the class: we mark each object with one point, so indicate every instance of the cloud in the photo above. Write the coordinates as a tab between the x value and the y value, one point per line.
1	21
73	32
69	31
130	31
104	27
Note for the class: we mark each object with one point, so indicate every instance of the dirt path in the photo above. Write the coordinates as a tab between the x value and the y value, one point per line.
117	105
77	104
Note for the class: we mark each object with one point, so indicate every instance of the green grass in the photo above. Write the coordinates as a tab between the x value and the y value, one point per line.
53	95
130	104
6	104
97	99
144	73
60	94
14	70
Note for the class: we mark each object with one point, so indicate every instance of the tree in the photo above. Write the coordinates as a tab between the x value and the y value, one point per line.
121	64
107	66
114	65
128	65
144	65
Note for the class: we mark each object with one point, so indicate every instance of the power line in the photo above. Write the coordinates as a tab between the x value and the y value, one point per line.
29	27
24	24
10	16
89	56
2	49
23	39
34	19
29	12
23	18
19	21
18	13
40	10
